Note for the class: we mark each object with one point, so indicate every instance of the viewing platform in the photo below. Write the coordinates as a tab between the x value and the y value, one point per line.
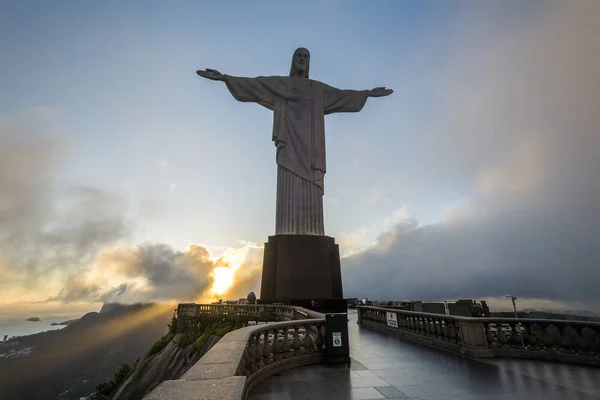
394	353
385	367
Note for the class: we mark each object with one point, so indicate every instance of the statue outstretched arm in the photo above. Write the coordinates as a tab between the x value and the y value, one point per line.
211	74
251	90
380	92
338	100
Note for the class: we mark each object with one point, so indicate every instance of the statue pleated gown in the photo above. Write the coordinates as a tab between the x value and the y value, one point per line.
299	106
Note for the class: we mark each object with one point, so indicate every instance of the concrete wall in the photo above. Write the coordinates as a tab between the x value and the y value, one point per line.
434	308
460	309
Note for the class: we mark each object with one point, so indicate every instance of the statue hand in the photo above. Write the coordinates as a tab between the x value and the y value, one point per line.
380	92
211	74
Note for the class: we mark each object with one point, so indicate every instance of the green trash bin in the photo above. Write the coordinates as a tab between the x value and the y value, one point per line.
336	339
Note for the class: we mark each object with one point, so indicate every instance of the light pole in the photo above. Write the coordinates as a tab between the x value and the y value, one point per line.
513	298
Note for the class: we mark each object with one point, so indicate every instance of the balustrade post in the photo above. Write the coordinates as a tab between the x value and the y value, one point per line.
285	345
320	339
267	348
296	343
473	340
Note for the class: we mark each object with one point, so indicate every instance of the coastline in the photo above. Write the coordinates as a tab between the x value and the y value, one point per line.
13	327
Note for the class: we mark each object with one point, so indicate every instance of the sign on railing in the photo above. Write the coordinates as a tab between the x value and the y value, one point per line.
392	319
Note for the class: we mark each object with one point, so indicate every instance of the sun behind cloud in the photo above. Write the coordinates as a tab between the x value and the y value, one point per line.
235	271
222	279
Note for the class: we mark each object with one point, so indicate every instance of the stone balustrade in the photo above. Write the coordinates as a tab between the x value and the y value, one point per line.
546	339
245	357
552	340
191	314
277	347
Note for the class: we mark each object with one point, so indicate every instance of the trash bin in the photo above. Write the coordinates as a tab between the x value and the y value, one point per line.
336	340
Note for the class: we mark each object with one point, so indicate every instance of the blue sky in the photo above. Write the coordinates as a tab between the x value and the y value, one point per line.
120	76
483	90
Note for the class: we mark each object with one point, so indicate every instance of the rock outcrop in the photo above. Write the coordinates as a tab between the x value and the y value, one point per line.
168	364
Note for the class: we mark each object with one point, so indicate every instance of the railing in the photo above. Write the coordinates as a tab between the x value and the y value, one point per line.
277	347
559	340
245	357
553	340
189	315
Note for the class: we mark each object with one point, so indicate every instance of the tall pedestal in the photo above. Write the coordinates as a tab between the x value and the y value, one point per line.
301	267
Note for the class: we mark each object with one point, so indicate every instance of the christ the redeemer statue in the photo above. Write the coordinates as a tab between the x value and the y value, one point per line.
299	105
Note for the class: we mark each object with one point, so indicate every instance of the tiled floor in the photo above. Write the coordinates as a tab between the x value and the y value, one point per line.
385	367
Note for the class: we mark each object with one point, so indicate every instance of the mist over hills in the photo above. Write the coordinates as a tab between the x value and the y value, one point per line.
67	364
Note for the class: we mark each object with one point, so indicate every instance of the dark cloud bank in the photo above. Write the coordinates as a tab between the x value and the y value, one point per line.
523	127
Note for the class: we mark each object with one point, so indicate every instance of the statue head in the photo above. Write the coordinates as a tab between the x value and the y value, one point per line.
300	63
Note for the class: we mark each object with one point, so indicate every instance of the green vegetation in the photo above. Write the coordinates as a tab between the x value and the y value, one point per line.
161	343
201	342
269	315
164	341
105	389
173	324
190	336
224	330
214	329
198	336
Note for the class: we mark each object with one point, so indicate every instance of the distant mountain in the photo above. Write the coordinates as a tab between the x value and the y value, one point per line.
108	307
544	314
67	364
33	319
585	313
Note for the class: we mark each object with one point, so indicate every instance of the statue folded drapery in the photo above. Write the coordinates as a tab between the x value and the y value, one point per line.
299	106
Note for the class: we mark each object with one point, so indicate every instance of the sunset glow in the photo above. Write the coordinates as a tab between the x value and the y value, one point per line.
223	279
481	168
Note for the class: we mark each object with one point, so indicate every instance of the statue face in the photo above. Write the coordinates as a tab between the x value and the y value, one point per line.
301	60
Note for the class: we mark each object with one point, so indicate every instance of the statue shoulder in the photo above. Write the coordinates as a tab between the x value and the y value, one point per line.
274	78
319	85
276	82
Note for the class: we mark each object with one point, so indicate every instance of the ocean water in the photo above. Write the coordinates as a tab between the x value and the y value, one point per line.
14	327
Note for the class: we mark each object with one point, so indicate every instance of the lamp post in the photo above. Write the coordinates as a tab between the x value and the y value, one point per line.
513	298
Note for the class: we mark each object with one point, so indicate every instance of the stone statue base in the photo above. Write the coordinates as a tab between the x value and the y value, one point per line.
300	267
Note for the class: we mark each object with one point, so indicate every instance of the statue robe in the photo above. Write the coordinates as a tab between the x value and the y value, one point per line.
299	106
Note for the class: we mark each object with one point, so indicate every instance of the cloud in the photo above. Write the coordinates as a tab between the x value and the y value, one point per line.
158	272
146	272
5	275
333	201
354	242
163	165
521	127
398	215
46	226
353	238
377	194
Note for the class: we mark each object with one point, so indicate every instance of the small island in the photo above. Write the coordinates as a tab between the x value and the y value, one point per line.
65	322
33	319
